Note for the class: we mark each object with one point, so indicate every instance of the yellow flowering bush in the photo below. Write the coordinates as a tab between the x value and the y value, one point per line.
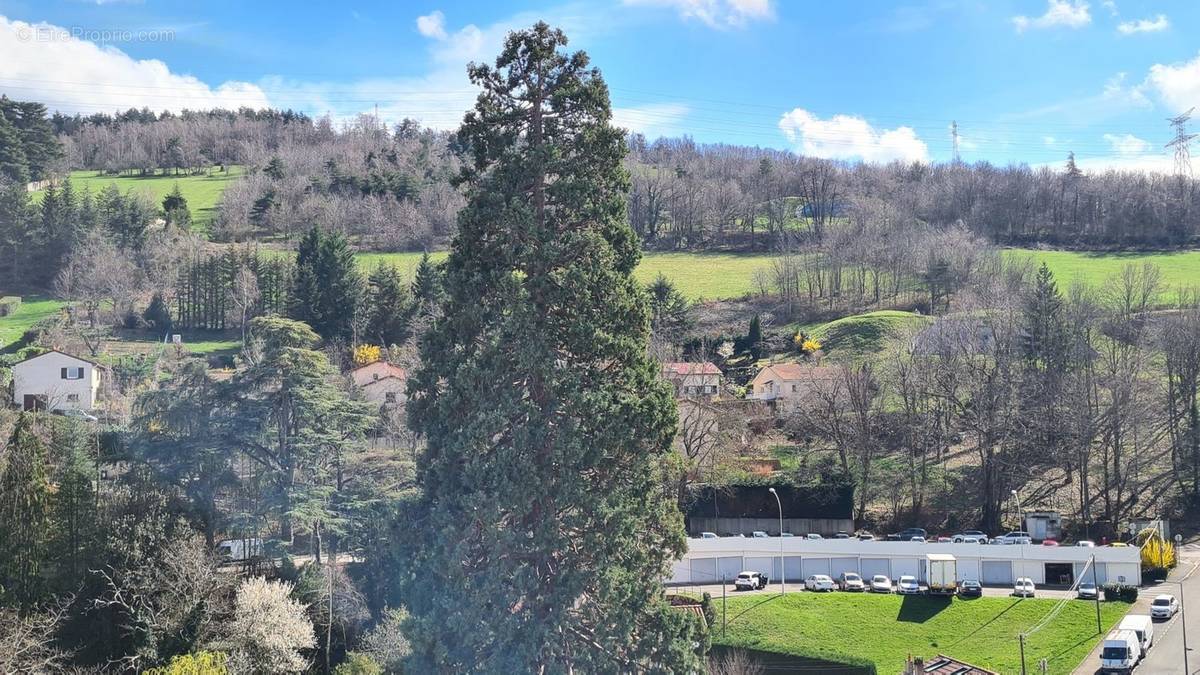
365	354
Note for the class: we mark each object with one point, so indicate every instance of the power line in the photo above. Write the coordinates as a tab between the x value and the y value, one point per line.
1182	143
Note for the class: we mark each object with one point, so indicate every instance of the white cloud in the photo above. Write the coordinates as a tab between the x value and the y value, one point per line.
652	120
46	63
432	25
1111	7
1127	144
1146	162
1049	141
1065	13
1117	92
1177	84
1158	23
850	137
716	13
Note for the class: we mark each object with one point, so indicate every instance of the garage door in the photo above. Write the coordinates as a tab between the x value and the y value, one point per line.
793	567
968	569
729	567
816	566
767	566
869	567
704	571
839	565
997	572
903	566
681	572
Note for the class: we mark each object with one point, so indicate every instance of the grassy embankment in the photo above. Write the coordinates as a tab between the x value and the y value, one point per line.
885	629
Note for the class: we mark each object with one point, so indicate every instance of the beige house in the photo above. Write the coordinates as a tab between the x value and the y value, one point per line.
56	380
382	383
787	385
693	380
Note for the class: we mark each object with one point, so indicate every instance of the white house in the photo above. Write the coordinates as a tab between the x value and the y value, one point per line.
381	382
693	380
789	384
56	380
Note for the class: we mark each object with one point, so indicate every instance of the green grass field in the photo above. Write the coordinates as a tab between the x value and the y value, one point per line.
700	276
202	192
1179	269
32	310
855	337
885	629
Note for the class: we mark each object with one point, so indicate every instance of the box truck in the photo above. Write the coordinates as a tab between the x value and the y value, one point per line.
942	573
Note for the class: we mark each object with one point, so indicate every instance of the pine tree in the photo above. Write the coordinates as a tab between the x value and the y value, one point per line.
1045	338
175	208
544	529
670	312
24	514
754	337
14	165
74	502
427	289
327	289
387	306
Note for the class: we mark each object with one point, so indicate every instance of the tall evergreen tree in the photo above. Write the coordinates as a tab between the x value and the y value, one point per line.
14	165
427	289
387	306
754	337
670	312
24	514
175	208
545	527
327	288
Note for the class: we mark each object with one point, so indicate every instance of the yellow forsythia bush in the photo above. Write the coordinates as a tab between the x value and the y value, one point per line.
365	354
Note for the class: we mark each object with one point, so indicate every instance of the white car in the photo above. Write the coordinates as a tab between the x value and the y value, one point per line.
709	535
787	534
1086	543
1016	537
1024	588
749	581
880	583
852	582
1087	591
819	582
814	536
1164	607
908	585
759	534
919	539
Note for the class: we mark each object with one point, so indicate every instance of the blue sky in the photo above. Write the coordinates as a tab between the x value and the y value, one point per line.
1026	80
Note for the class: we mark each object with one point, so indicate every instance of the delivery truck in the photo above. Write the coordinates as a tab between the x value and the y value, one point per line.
942	574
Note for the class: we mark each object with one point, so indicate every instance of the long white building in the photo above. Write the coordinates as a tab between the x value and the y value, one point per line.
709	561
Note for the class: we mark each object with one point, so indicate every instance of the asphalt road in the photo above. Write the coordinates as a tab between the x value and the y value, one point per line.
1166	655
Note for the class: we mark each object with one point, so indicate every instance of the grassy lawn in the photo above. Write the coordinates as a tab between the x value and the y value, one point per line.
202	192
855	337
1179	269
32	309
885	629
700	276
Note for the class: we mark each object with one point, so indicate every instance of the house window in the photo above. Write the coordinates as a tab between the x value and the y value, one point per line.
390	397
793	387
73	398
72	373
712	388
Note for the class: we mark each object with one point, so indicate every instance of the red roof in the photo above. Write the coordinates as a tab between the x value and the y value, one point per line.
799	371
683	369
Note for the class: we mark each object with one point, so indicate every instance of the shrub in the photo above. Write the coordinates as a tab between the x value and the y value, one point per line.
9	304
1122	592
358	664
200	663
269	629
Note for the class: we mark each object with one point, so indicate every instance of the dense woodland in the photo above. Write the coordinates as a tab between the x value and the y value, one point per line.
1084	399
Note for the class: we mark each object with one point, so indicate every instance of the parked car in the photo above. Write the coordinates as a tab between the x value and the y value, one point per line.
709	535
842	535
814	536
1142	626
1086	543
908	585
1024	588
944	540
748	581
239	550
787	534
975	537
850	581
75	414
1120	653
1015	537
759	534
1049	542
908	534
1087	591
880	583
1119	544
918	538
819	582
970	589
1164	607
866	536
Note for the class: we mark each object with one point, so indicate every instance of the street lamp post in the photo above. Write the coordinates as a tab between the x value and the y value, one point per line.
1182	607
782	573
1017	498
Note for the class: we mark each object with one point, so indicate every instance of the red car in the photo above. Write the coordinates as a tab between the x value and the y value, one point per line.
1049	542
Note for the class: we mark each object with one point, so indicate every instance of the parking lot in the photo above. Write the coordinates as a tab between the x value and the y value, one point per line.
797	586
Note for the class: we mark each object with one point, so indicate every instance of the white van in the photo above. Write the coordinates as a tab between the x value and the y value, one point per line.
1120	653
1142	626
239	550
